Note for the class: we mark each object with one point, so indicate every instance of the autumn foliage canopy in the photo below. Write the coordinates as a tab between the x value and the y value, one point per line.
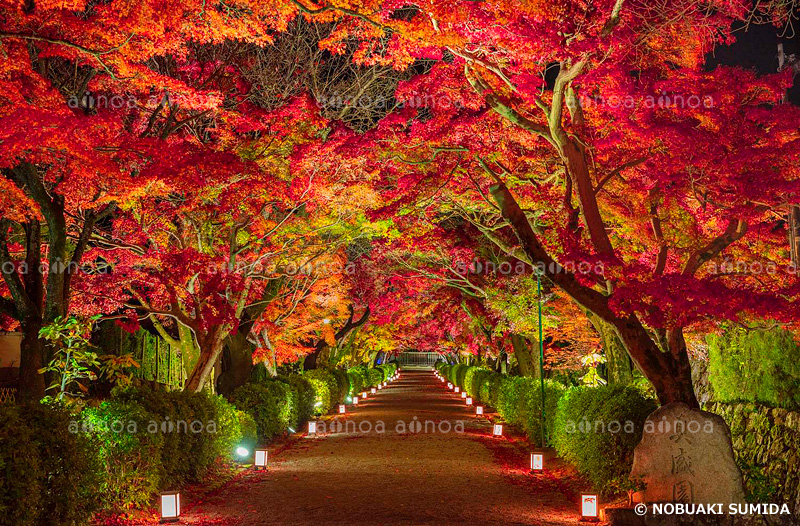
280	171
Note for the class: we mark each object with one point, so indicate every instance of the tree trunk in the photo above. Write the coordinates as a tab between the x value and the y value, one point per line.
527	356
794	235
312	359
205	364
31	383
238	363
670	373
501	365
618	362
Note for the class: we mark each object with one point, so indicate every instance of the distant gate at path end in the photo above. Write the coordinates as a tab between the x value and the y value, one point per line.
418	359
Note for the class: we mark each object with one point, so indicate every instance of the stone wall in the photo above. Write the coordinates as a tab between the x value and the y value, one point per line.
767	445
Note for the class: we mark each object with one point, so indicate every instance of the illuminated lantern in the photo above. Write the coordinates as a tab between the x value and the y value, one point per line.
458	389
497	430
364	395
312	428
469	400
449	385
260	461
537	462
380	386
373	390
463	394
479	410
589	507
341	409
355	400
170	506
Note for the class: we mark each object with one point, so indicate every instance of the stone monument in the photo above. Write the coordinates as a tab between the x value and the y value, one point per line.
686	456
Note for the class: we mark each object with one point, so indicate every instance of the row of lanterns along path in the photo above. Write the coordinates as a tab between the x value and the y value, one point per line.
590	509
170	501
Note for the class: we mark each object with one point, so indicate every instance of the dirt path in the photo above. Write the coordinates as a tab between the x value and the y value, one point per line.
394	477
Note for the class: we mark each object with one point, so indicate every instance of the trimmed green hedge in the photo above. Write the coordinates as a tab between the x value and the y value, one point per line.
304	397
51	475
330	388
61	467
272	404
388	370
374	377
597	428
362	377
604	456
357	376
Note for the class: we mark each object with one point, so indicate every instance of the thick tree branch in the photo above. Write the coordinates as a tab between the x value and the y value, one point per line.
735	230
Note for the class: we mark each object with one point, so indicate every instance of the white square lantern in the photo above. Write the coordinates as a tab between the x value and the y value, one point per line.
260	459
589	506
458	389
479	410
463	394
312	428
342	409
170	506
497	430
380	386
469	400
537	462
449	385
355	400
373	390
363	395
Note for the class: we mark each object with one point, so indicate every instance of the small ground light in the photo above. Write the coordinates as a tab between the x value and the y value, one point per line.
497	430
373	390
380	386
463	394
355	400
312	428
449	385
260	459
458	389
537	462
589	508
479	410
342	409
170	506
364	395
469	400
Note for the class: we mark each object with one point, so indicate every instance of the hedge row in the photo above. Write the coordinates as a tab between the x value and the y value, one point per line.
60	466
362	377
594	428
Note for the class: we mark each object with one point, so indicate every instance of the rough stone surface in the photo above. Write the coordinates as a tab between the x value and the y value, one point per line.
766	442
686	456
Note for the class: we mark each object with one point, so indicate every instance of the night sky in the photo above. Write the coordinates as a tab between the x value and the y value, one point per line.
757	48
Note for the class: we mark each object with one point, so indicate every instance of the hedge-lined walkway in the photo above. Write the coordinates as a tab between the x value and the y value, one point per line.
390	478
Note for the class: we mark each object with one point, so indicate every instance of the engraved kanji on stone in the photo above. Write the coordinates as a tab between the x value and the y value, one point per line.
683	491
681	463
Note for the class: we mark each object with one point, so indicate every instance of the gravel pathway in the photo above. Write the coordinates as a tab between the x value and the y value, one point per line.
369	474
